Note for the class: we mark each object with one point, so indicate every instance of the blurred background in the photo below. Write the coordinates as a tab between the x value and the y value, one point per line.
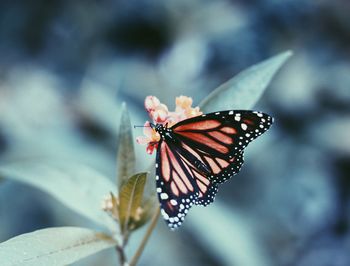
66	67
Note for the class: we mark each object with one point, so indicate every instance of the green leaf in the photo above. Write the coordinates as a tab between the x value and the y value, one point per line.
126	151
53	246
245	89
130	199
77	186
147	210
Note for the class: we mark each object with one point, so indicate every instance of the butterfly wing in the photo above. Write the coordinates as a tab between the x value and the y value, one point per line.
218	140
176	187
180	183
205	151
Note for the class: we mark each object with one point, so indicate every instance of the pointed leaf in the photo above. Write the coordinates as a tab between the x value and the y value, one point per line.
245	89
79	187
147	210
130	199
126	151
53	246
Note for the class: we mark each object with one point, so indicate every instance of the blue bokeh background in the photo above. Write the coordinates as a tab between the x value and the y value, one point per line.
66	67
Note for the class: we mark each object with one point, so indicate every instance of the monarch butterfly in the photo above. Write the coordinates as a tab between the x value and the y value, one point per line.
195	155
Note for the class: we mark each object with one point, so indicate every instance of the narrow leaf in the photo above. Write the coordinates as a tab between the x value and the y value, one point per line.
126	151
130	199
79	187
53	246
245	89
147	210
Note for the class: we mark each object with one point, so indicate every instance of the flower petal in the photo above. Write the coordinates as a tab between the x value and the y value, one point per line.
151	103
192	112
160	116
150	147
147	130
142	140
183	102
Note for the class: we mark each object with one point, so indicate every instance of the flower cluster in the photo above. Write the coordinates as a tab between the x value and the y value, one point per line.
160	114
110	205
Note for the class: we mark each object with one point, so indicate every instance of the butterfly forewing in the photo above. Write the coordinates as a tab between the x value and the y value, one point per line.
198	154
223	133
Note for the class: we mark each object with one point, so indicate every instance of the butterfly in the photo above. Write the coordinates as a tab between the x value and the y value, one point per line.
198	154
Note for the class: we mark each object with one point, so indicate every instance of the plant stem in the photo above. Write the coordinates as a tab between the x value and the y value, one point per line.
121	255
149	231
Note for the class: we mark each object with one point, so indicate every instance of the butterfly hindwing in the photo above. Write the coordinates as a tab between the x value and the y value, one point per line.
176	188
227	172
208	197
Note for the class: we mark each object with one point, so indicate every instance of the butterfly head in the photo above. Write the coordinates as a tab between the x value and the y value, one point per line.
162	130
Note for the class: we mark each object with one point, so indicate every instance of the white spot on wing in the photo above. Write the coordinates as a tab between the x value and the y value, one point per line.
165	215
163	196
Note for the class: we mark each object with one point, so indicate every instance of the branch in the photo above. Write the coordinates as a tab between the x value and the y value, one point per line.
145	238
121	255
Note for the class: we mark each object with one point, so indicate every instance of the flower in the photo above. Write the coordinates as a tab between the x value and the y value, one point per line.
184	108
157	111
151	138
160	114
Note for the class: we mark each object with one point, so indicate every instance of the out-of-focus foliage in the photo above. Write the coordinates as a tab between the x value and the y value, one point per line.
53	246
245	89
65	67
126	151
79	187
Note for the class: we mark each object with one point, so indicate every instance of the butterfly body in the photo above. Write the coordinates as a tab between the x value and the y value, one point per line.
195	155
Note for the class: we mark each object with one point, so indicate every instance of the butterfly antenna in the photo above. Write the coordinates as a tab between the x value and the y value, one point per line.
140	126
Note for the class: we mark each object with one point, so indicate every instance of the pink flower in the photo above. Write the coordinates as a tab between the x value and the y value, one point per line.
184	108
151	138
156	110
159	113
